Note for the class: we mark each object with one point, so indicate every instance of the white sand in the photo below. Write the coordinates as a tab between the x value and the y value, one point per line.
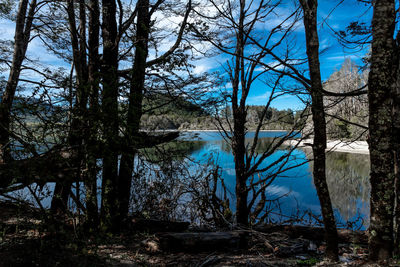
359	147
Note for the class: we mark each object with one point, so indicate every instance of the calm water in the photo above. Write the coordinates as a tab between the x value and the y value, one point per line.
347	176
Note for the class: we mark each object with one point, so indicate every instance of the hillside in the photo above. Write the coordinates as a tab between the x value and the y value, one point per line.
163	113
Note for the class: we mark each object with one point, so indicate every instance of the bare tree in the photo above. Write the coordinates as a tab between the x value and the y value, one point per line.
250	51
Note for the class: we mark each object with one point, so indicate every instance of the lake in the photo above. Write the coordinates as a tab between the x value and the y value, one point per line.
347	177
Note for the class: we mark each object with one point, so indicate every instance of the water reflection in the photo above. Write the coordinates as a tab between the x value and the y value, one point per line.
347	177
348	181
347	174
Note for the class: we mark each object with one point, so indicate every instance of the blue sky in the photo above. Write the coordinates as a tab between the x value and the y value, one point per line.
334	14
329	13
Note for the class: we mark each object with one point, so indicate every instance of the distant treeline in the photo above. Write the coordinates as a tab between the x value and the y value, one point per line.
181	114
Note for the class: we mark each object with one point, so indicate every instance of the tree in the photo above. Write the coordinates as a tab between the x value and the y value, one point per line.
137	88
249	49
383	125
318	115
347	113
24	20
92	123
381	82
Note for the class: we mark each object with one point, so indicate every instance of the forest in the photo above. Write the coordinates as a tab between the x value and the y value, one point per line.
98	98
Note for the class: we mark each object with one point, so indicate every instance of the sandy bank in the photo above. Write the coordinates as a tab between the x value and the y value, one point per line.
359	147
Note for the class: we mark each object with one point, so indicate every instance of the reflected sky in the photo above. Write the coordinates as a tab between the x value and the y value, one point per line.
347	177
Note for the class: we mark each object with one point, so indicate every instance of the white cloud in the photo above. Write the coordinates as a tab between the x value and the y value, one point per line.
342	57
7	29
276	190
259	99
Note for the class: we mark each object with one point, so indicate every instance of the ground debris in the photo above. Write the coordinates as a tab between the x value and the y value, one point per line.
35	245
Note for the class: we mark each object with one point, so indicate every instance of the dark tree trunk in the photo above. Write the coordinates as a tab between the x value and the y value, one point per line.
380	83
239	121
91	140
396	146
239	153
59	201
396	154
79	110
135	104
109	68
396	159
21	40
318	112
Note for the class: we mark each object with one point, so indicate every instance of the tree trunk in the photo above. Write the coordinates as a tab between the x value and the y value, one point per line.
318	112
238	149
396	146
380	83
396	154
109	67
239	120
199	242
21	40
135	104
59	201
79	110
93	113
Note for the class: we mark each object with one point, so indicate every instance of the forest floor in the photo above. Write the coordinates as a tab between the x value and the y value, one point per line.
26	241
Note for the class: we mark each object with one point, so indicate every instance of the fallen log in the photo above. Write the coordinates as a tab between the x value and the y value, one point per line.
205	241
155	226
314	233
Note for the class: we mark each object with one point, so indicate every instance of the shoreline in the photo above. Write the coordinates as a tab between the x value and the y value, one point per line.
355	147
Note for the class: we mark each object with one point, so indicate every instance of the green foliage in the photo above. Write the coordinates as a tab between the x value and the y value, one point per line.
163	112
169	112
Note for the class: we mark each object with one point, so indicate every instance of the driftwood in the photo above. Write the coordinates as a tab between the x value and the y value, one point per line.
195	242
314	233
155	226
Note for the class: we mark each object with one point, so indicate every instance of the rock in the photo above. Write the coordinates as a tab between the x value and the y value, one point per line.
151	245
312	246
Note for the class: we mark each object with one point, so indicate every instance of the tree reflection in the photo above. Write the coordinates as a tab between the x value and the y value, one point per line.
347	177
263	145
